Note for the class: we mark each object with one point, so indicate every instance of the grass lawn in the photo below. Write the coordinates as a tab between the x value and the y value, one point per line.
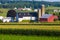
24	37
52	7
4	12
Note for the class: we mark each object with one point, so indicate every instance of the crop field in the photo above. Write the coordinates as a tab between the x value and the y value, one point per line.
23	37
28	31
30	27
3	12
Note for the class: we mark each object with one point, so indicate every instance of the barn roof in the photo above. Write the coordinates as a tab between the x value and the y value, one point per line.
22	14
46	15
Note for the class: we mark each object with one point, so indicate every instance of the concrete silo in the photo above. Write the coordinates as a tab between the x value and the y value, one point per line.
39	14
43	9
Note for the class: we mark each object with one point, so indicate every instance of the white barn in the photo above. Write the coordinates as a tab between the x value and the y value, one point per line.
6	19
26	18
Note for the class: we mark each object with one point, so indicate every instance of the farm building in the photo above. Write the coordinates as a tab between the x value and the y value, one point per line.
22	15
12	14
27	16
48	18
35	16
6	19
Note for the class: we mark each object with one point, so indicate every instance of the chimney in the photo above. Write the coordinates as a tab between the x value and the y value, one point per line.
43	10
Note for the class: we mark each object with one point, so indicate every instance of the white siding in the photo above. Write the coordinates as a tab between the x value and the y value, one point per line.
8	19
20	19
33	18
26	18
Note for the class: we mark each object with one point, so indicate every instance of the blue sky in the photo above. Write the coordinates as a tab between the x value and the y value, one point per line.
41	0
52	0
48	0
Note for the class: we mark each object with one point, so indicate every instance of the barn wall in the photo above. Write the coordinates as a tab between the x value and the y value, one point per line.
43	19
29	18
51	19
26	18
20	19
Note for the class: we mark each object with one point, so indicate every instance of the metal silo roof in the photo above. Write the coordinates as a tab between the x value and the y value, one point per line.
46	15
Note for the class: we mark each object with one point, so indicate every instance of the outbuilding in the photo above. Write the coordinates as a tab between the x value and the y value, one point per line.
47	18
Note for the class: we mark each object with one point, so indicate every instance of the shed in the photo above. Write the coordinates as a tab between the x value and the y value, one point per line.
47	18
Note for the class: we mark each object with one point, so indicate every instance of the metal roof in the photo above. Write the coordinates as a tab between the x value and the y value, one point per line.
34	14
46	15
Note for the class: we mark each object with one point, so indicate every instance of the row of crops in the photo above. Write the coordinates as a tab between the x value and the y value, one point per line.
30	32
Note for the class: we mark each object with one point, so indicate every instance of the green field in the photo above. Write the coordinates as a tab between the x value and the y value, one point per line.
10	36
23	37
52	7
39	27
14	25
3	12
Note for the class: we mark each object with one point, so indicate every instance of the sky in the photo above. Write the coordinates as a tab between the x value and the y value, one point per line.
41	0
49	0
52	0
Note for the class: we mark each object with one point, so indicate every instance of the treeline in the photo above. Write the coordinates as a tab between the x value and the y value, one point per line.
33	4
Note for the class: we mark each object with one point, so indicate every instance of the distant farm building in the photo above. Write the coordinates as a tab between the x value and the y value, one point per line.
57	10
15	8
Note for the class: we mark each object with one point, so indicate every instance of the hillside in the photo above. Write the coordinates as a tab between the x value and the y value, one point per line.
33	4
